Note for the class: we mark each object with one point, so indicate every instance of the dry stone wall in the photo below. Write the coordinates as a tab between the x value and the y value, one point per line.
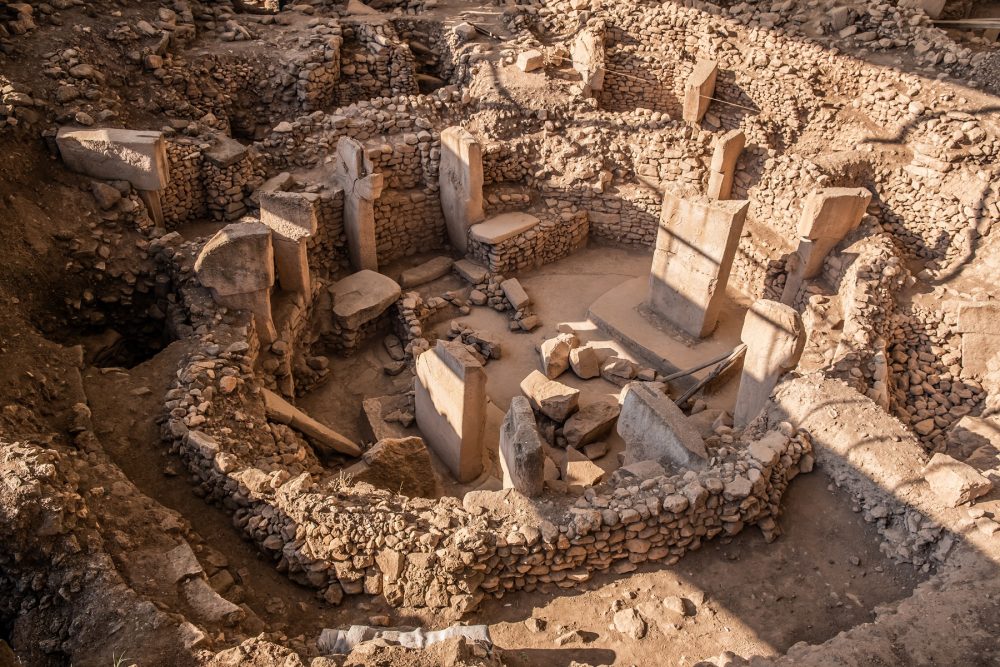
555	236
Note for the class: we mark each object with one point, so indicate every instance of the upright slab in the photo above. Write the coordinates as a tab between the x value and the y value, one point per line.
654	428
136	156
292	218
461	180
587	54
775	338
699	89
723	167
450	402
522	458
979	324
362	185
695	247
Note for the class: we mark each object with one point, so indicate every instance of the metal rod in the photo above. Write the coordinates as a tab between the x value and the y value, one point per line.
716	372
695	369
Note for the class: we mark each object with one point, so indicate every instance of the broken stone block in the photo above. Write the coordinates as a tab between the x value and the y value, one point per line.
208	606
555	354
528	61
522	457
181	563
515	293
578	470
471	272
136	156
592	422
400	465
954	482
618	370
450	400
430	270
585	362
699	89
553	399
654	428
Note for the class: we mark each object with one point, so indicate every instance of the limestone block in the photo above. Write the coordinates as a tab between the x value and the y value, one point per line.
954	482
695	247
585	362
515	293
522	457
528	61
591	422
471	272
136	156
775	339
430	270
828	215
555	354
208	606
362	297
698	89
460	177
292	215
553	399
587	54
400	465
977	350
327	440
355	173
501	227
727	151
979	317
654	428
239	259
450	400
578	470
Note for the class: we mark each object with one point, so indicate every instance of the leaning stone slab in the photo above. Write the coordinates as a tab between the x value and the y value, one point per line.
400	465
522	458
775	338
450	400
136	156
208	606
654	428
362	297
553	399
281	411
954	482
515	293
591	422
239	259
430	270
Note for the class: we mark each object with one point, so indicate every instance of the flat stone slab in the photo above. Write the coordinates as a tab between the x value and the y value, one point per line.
363	296
430	270
471	272
502	227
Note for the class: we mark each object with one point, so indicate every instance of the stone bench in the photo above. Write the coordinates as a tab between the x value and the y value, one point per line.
359	300
513	241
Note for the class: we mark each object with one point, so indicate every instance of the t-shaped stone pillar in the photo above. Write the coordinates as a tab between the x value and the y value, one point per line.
461	179
587	54
450	407
720	174
775	338
362	185
522	458
827	217
698	90
695	247
292	218
237	265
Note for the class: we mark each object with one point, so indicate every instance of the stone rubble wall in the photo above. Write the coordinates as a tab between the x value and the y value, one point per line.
326	251
408	222
374	63
184	198
627	216
228	189
551	239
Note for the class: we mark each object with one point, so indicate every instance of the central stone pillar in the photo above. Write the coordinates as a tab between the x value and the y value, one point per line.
695	247
292	218
775	338
461	179
355	173
450	407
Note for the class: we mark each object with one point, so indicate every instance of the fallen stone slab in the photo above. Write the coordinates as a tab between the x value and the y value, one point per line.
555	354
618	370
522	457
386	416
578	470
553	399
515	293
430	270
654	428
591	422
954	482
585	362
471	272
362	297
325	438
400	465
136	156
208	606
339	642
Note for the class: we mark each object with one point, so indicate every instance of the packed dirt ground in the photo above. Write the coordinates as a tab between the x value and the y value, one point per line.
541	332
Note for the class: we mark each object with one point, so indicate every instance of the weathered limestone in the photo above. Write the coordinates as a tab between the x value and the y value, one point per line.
553	399
654	428
515	293
471	272
292	218
555	354
355	173
237	265
695	247
591	422
775	338
430	270
979	324
281	411
954	482
578	471
587	53
461	180
522	458
136	156
450	401
530	60
828	215
720	176
585	362
502	227
361	297
400	465
699	89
